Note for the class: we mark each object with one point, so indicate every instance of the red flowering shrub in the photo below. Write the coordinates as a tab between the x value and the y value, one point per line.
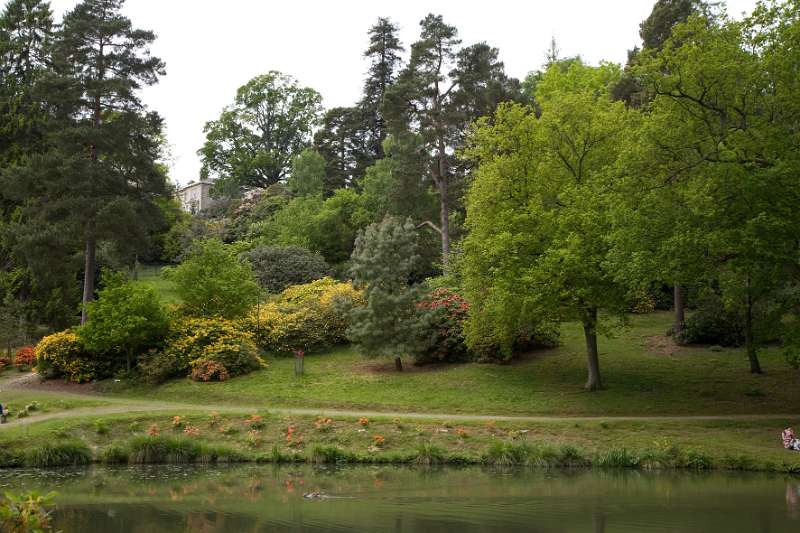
25	357
208	370
443	313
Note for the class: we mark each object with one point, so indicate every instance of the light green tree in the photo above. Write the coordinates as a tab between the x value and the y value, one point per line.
125	319
538	210
308	174
214	281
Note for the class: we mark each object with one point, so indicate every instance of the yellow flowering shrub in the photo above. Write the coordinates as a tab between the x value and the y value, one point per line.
306	317
212	339
63	354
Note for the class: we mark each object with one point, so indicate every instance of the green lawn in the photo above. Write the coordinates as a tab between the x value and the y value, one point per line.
152	276
639	379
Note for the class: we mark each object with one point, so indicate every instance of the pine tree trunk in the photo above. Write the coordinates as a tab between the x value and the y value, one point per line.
593	382
88	273
398	364
749	339
680	317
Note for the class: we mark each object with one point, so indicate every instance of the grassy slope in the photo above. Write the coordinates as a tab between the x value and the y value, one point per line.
638	380
151	276
741	445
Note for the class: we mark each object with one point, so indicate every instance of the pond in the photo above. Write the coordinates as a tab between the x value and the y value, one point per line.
255	498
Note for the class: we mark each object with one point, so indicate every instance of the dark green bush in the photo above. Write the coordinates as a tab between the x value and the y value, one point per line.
279	267
712	323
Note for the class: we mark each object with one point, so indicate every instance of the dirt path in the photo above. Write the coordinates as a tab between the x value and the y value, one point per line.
122	405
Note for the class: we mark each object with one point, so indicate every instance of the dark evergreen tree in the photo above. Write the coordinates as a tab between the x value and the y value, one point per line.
344	142
98	179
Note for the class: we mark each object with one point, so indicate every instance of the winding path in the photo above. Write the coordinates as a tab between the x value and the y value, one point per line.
123	405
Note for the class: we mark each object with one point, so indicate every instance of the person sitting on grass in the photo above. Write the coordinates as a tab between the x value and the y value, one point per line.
789	440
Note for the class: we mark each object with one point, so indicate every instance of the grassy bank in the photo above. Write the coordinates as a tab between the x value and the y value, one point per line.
644	374
203	437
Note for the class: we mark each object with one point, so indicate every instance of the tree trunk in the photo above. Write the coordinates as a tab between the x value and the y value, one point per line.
593	382
398	364
88	273
444	206
749	339
680	317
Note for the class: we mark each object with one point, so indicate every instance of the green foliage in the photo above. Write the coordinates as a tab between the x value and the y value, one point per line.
127	318
384	257
194	343
26	513
253	141
443	315
306	317
213	281
538	210
713	323
308	174
278	267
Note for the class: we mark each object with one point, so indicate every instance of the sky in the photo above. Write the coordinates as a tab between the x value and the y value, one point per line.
212	47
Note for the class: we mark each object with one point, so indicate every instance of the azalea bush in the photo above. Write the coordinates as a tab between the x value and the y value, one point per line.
307	317
205	349
25	357
443	313
63	354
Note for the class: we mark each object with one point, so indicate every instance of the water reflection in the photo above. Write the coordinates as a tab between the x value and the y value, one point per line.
379	498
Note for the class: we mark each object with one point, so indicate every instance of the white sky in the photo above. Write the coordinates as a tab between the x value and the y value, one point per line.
211	47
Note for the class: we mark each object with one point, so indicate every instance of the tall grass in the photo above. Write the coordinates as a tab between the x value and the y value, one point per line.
331	455
428	454
172	450
70	453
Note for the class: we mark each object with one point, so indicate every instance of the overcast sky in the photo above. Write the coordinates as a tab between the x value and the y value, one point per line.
211	47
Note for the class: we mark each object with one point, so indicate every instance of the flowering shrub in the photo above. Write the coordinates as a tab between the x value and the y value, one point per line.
255	422
191	431
208	370
25	357
4	362
378	440
293	437
443	313
323	424
462	433
312	316
63	354
178	422
153	430
363	421
205	348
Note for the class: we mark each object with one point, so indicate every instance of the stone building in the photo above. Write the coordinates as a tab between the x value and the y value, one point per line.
196	196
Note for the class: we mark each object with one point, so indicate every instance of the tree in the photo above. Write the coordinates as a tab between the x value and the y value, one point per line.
538	210
343	141
382	262
98	178
441	90
384	55
213	281
726	146
253	142
126	318
308	174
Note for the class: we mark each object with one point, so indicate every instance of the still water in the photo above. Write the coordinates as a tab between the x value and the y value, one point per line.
153	499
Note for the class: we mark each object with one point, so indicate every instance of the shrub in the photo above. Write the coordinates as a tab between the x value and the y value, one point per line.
63	354
428	454
147	450
507	454
279	267
213	281
307	317
125	319
618	458
442	313
713	323
25	357
208	370
25	512
202	345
